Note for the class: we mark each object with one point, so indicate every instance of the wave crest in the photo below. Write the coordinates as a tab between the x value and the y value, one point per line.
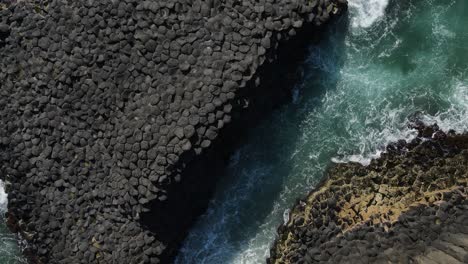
3	198
366	12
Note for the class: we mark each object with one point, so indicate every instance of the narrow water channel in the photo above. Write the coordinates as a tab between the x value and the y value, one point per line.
387	62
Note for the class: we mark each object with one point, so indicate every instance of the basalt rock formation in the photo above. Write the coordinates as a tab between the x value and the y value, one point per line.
115	115
409	206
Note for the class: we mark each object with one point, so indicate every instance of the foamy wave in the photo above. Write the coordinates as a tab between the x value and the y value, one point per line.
387	136
456	117
367	12
286	216
3	198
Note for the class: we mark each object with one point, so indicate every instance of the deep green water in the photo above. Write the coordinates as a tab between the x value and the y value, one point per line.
387	61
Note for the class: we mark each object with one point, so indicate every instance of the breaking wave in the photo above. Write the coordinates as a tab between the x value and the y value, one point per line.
366	12
3	198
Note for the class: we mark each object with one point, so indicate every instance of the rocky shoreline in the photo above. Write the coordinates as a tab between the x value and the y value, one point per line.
408	206
115	113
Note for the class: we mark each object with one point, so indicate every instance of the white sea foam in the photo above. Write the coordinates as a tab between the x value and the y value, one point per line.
376	143
366	12
3	198
456	117
286	216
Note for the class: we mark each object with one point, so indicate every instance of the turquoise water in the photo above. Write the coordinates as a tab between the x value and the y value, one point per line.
388	61
9	252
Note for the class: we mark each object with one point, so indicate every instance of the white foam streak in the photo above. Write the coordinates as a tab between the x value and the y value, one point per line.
286	216
456	117
367	12
3	198
386	137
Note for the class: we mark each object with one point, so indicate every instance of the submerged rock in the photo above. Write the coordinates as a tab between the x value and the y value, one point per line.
408	206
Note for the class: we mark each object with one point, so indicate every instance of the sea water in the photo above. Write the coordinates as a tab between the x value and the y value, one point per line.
9	252
386	62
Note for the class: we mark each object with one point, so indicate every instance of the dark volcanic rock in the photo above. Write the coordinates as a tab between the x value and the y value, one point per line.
409	206
114	114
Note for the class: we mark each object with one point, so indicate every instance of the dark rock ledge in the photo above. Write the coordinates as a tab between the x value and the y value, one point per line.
117	115
409	206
